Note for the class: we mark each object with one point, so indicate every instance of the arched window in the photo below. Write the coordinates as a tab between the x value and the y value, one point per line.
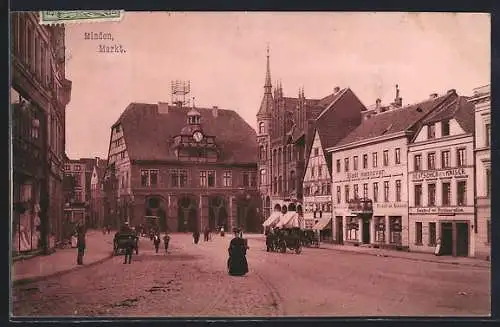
261	128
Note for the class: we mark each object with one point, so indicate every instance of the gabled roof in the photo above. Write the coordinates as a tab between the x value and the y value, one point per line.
396	120
461	110
149	134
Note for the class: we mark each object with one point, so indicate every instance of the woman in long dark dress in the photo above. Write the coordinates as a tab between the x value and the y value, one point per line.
237	262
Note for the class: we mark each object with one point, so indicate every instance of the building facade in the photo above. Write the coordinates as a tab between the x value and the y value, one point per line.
441	181
78	192
39	94
285	135
96	219
370	164
191	167
317	186
482	102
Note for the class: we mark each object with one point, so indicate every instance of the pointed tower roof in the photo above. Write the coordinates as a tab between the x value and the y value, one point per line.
267	100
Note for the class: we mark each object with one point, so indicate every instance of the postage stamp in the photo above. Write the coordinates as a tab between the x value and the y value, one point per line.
79	16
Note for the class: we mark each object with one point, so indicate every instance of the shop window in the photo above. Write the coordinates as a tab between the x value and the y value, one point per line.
446	194
395	230
418	233
379	229
432	234
352	228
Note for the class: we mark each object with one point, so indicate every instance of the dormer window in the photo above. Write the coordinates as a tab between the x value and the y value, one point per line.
445	128
431	131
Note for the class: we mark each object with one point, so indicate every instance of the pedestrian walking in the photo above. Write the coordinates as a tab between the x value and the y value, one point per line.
129	247
206	234
156	242
222	231
80	244
196	236
166	240
237	263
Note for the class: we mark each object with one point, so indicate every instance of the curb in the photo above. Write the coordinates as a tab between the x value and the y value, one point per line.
406	258
398	257
30	280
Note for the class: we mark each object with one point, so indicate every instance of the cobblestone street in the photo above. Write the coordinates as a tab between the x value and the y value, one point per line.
191	280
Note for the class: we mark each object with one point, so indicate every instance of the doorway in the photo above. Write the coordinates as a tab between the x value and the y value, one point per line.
462	244
446	238
340	230
366	231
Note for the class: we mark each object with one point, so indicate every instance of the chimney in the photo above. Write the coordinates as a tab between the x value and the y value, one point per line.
433	95
398	101
215	111
163	107
336	89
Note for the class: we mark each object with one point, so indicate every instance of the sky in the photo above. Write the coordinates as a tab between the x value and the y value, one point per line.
223	55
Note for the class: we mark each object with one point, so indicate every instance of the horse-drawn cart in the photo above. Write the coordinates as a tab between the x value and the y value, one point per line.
286	238
124	239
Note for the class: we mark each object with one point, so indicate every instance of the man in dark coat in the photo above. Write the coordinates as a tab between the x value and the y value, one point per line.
156	241
196	236
129	248
237	262
80	244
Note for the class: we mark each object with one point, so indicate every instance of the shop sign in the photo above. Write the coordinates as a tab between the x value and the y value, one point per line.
433	174
442	210
391	205
365	174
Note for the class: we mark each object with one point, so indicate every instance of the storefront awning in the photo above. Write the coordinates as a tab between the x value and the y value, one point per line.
289	220
322	223
273	218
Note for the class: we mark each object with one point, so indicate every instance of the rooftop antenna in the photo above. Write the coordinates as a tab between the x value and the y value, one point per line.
180	92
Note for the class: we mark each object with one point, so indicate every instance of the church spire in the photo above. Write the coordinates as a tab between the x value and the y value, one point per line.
267	85
267	100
